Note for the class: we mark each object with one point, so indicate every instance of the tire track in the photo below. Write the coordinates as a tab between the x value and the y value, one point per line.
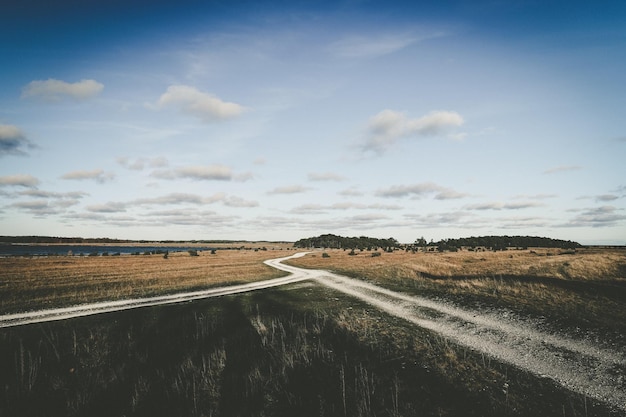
579	366
40	316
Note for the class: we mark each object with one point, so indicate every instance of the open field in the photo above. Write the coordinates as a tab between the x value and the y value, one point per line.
306	349
581	292
303	350
46	282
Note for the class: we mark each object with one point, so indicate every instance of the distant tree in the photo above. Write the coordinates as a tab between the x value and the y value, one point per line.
421	242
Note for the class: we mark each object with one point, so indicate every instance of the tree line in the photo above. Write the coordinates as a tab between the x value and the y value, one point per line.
331	241
505	242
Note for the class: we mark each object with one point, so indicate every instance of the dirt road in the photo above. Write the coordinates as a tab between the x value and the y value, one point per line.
18	319
579	365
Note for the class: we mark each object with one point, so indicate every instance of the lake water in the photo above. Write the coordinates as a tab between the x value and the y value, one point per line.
55	250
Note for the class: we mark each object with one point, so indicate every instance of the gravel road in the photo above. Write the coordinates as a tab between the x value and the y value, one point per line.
579	365
18	319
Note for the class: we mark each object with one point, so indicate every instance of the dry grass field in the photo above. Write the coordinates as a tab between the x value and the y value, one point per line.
581	290
45	282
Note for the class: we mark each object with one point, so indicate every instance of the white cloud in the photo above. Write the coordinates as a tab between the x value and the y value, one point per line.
13	141
233	201
205	106
19	180
52	194
202	172
289	189
388	126
180	198
351	192
517	205
97	175
606	197
420	190
111	207
371	46
53	90
446	219
604	216
562	168
342	206
140	164
325	176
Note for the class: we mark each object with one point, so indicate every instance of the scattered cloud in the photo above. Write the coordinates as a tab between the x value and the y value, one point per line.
36	207
516	205
205	106
199	173
179	198
244	176
606	197
54	90
351	192
172	199
13	141
140	164
52	194
371	46
562	168
61	200
309	209
19	180
110	207
97	175
233	201
518	222
289	189
446	219
388	126
325	176
420	190
346	205
535	196
604	216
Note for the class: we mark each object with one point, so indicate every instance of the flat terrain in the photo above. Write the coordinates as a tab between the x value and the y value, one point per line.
419	342
583	292
60	281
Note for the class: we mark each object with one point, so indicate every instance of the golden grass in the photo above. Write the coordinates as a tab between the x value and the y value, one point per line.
33	283
543	263
582	289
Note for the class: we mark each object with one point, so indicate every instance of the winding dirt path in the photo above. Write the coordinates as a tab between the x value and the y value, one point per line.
580	366
40	316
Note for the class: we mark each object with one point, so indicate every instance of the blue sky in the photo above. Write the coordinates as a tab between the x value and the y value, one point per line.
283	120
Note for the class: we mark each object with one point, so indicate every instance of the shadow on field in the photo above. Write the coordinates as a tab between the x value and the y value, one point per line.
270	353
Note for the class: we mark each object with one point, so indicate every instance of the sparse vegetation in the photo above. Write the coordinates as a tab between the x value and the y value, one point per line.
583	291
46	282
310	352
273	353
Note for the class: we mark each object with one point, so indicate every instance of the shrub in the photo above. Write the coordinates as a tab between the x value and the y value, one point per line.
325	255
